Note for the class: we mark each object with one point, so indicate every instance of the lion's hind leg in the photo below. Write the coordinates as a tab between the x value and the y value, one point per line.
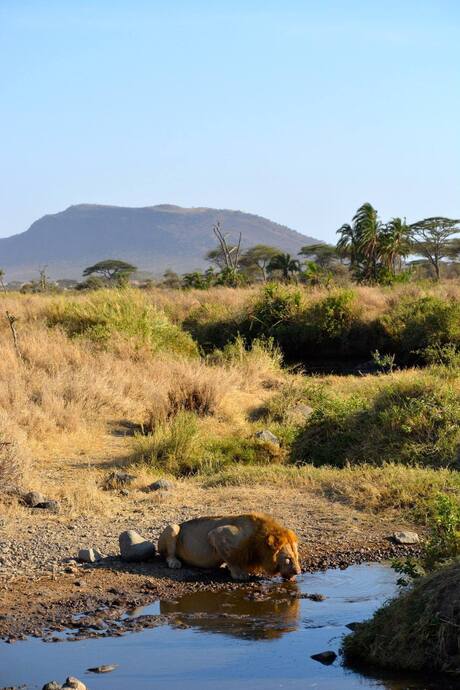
226	540
167	545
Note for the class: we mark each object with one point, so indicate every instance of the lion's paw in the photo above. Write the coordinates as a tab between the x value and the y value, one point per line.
173	562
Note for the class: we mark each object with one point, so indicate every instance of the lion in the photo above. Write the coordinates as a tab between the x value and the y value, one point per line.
251	544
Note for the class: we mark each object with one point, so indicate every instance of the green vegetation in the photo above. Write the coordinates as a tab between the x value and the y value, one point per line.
442	545
414	421
335	324
105	315
111	270
418	631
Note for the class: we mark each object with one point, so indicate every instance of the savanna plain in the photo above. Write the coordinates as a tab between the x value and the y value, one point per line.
336	410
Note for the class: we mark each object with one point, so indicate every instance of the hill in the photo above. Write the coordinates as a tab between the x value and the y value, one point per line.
153	238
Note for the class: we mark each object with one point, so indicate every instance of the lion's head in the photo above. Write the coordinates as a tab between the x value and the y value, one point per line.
284	557
272	548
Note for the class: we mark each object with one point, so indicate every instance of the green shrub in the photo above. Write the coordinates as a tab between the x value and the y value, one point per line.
261	351
442	545
414	423
178	446
417	631
174	446
331	318
212	325
414	325
279	305
106	314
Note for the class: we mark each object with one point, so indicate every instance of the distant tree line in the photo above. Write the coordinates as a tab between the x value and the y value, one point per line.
368	251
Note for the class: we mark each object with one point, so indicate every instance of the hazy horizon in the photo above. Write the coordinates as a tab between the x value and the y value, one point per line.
298	114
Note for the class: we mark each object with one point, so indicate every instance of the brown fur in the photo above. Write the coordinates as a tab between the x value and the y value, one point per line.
258	552
252	543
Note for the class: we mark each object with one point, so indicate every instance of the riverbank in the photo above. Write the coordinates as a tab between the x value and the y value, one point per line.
42	587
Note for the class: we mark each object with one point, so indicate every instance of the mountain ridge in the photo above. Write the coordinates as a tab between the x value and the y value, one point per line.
151	237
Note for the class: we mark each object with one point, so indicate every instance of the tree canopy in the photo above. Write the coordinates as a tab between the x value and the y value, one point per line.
430	238
111	269
259	257
325	255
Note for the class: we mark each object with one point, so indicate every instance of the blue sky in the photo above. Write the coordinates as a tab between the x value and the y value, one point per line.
298	111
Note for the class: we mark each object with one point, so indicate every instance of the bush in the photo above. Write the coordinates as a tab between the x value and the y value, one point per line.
179	447
173	446
414	422
182	386
417	631
414	325
212	325
106	314
442	545
332	318
258	363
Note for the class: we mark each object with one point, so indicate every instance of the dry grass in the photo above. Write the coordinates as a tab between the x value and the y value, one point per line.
69	394
14	456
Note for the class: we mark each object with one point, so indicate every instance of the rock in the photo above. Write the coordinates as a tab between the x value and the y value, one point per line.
52	685
267	437
353	625
52	506
406	537
117	480
302	411
34	498
161	485
74	684
326	658
105	668
133	547
89	555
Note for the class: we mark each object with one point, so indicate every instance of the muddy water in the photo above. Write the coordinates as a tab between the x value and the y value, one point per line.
256	637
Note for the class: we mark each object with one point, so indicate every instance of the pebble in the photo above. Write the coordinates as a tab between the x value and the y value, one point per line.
52	685
161	485
89	555
133	547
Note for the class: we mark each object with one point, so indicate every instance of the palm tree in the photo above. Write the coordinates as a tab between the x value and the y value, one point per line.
395	244
286	264
361	242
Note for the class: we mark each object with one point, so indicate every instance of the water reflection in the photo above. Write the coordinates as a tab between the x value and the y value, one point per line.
265	637
261	613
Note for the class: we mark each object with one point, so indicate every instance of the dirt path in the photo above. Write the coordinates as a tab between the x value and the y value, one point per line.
41	590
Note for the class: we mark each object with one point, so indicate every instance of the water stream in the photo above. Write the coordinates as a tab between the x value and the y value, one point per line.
250	639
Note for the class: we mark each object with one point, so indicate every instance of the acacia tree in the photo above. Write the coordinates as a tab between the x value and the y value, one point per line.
430	238
259	257
325	255
111	270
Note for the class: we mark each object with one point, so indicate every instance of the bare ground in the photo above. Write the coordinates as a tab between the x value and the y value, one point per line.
41	589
